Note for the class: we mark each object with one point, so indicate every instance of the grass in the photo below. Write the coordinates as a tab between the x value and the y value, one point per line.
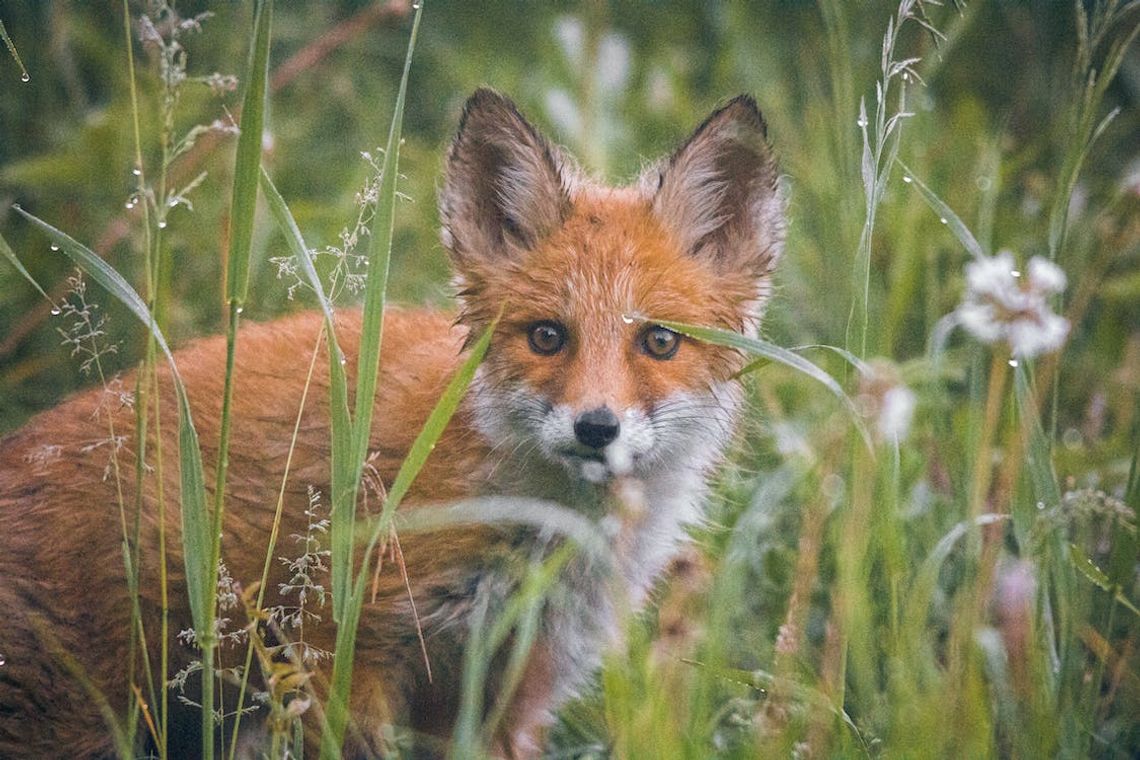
955	576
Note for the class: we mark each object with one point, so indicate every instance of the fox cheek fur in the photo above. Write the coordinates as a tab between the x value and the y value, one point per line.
581	401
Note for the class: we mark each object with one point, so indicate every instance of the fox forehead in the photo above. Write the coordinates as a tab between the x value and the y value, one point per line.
613	261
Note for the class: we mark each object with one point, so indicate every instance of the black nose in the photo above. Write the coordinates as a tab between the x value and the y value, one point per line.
597	428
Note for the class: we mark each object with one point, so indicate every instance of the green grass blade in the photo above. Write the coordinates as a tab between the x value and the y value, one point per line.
436	422
1040	459
945	214
344	473
346	477
279	210
379	258
195	519
248	160
24	75
6	252
336	711
770	351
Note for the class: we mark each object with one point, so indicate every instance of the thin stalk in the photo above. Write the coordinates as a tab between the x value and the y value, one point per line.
273	543
207	639
147	372
980	482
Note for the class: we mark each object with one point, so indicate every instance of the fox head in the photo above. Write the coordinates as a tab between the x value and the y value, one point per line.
578	372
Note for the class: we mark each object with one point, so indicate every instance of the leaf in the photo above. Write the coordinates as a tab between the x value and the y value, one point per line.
767	350
248	159
351	445
1094	575
951	220
343	470
195	519
6	252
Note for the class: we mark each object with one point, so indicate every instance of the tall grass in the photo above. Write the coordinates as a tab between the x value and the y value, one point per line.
904	556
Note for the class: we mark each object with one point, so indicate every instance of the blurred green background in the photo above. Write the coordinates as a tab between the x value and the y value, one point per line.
618	83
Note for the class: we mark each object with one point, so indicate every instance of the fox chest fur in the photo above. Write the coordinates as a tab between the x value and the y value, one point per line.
587	422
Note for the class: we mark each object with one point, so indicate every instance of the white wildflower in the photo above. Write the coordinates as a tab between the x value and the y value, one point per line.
886	401
896	412
1002	305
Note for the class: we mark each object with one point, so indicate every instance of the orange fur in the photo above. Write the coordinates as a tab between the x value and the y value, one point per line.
526	231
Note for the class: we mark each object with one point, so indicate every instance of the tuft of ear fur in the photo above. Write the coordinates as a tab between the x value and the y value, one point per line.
718	192
503	187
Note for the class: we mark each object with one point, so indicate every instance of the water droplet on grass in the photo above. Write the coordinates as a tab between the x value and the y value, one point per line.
55	311
162	224
136	171
54	247
907	179
944	220
25	77
1015	273
1013	362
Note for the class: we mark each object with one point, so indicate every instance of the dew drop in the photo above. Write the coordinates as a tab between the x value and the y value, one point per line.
25	77
3	659
240	309
907	179
1040	505
1015	273
944	220
54	247
162	224
55	311
136	171
860	122
1013	362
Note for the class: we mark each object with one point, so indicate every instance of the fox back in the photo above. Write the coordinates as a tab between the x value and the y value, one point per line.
584	404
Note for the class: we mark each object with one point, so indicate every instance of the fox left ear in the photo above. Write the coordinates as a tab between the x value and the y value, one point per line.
718	193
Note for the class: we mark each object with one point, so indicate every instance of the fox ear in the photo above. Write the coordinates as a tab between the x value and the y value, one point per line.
718	193
503	189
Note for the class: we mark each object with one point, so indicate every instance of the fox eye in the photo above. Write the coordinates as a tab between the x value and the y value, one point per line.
546	338
660	342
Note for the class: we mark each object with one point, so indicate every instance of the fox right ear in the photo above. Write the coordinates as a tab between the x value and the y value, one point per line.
503	189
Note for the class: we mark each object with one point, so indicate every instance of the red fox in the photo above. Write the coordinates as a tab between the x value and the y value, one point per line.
580	401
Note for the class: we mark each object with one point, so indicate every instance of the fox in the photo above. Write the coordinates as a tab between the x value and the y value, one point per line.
581	401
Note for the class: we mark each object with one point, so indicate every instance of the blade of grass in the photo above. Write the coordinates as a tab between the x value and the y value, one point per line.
195	522
7	252
337	708
766	350
247	162
243	206
945	214
343	519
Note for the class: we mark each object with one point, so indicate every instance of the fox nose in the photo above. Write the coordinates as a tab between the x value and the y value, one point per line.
597	428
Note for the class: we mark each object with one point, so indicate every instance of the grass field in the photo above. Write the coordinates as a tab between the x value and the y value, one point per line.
939	562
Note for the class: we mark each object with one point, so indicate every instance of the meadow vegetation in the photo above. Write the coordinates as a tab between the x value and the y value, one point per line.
924	544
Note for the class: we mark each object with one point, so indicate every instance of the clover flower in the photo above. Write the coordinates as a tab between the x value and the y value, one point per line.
1001	304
